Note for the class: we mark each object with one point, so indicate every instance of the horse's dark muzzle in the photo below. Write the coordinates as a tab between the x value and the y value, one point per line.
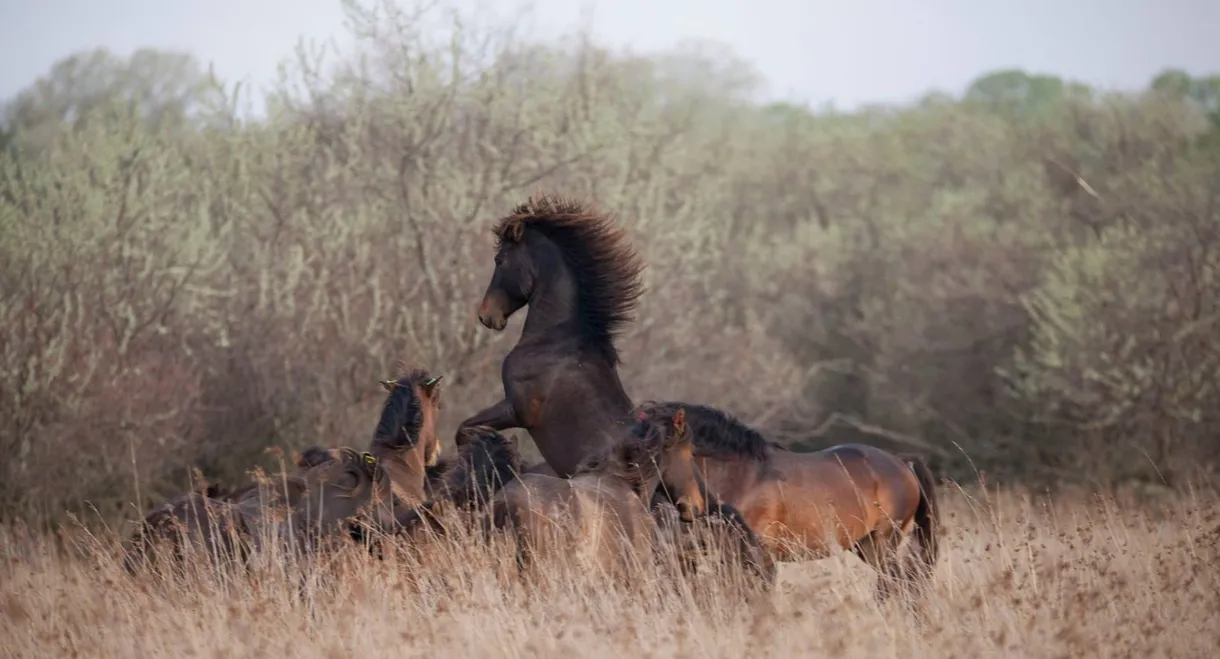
495	322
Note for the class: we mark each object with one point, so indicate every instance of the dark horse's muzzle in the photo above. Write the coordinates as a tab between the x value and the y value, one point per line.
491	313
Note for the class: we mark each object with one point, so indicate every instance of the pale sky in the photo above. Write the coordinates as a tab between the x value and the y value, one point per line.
845	51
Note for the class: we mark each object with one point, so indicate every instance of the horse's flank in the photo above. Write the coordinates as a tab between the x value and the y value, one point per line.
854	496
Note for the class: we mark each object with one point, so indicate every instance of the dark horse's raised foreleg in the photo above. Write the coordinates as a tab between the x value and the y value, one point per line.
498	417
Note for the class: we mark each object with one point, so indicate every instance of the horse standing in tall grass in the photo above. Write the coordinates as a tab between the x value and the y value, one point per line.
299	509
852	496
580	278
405	441
485	461
601	515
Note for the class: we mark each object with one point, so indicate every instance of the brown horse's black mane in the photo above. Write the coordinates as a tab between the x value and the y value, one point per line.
713	431
602	260
403	412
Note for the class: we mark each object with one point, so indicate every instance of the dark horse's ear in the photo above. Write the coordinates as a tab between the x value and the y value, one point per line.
388	385
514	231
466	434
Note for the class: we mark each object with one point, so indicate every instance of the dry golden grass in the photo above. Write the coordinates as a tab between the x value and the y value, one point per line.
1018	576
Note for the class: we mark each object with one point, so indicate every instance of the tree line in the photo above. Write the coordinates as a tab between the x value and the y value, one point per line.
1021	278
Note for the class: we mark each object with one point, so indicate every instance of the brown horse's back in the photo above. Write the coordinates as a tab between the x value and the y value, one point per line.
192	524
592	519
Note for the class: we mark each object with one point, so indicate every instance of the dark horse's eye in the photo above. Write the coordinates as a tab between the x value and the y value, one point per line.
499	258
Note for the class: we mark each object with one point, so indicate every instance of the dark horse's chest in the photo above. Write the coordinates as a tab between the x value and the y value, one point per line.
529	383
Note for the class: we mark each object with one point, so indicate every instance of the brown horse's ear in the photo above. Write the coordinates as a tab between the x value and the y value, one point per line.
429	385
679	422
388	385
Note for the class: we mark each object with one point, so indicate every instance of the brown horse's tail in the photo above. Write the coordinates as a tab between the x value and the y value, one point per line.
927	515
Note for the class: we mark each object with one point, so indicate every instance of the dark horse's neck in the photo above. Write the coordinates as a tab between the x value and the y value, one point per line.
555	309
555	319
554	306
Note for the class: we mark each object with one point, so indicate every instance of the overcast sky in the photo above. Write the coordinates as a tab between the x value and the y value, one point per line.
845	51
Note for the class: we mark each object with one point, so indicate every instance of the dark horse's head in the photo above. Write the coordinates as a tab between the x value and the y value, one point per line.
409	417
486	460
575	258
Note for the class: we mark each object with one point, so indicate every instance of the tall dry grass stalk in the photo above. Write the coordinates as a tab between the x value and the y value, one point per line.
1019	576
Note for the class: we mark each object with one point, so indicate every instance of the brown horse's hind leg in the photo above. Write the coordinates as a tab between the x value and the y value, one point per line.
880	550
896	573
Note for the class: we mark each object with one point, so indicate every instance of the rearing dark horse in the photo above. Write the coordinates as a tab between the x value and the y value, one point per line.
580	277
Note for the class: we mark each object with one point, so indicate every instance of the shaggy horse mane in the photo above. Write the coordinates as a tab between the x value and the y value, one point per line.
713	432
606	267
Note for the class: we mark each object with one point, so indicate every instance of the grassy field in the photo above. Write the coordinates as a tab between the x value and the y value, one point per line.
1019	575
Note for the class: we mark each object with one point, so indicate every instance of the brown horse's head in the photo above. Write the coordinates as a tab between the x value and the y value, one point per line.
410	414
405	442
348	484
655	457
669	446
312	457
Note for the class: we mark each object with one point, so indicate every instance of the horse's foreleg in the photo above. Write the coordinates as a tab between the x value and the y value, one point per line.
498	417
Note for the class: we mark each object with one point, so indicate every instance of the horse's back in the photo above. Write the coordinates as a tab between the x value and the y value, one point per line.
191	519
535	496
612	521
861	461
541	468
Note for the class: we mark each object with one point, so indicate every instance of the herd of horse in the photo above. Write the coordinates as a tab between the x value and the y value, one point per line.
614	471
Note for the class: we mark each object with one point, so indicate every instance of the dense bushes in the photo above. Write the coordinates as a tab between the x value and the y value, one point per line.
1032	291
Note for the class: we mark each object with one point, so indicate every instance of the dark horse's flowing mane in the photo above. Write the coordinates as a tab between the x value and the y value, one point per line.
486	462
596	248
713	432
403	410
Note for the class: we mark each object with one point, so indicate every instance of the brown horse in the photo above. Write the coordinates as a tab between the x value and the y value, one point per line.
485	461
298	508
195	523
405	442
319	503
580	278
601	513
852	496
